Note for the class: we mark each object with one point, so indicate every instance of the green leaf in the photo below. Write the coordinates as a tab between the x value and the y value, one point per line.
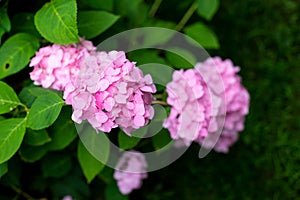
89	164
8	98
159	36
29	94
15	53
3	169
24	22
32	153
1	34
38	183
125	10
161	74
127	142
12	133
44	111
98	4
208	8
203	35
36	138
144	56
134	10
97	144
112	192
56	21
92	23
152	61
56	165
107	175
181	58
4	22
161	23
13	177
72	184
161	139
63	131
2	118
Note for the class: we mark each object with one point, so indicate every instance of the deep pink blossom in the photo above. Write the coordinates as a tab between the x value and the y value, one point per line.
130	171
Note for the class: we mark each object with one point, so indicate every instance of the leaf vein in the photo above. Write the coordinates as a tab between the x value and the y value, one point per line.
60	18
11	131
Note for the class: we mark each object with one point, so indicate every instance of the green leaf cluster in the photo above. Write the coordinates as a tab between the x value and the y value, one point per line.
36	129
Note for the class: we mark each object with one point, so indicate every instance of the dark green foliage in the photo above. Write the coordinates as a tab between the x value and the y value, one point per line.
262	37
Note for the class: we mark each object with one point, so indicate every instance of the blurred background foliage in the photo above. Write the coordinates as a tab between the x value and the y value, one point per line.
262	37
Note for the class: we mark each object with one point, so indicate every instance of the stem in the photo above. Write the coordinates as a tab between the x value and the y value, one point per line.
103	179
187	16
25	108
24	194
160	102
16	110
158	96
154	7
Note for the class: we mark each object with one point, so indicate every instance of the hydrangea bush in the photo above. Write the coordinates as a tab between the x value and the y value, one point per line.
53	77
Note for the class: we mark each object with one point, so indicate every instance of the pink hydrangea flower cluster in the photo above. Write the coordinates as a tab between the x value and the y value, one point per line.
111	91
237	102
130	171
104	88
57	65
193	115
190	106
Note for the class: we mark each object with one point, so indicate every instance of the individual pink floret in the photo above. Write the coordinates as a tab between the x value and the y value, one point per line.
57	65
111	91
130	171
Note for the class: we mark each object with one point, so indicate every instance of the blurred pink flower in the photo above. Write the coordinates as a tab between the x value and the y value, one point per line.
190	105
195	109
130	171
237	103
68	197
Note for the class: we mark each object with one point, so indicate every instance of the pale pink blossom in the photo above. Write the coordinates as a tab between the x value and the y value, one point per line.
190	106
195	109
68	197
237	101
130	171
110	91
57	65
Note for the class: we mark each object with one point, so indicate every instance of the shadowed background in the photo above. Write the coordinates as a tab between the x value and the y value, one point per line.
262	37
